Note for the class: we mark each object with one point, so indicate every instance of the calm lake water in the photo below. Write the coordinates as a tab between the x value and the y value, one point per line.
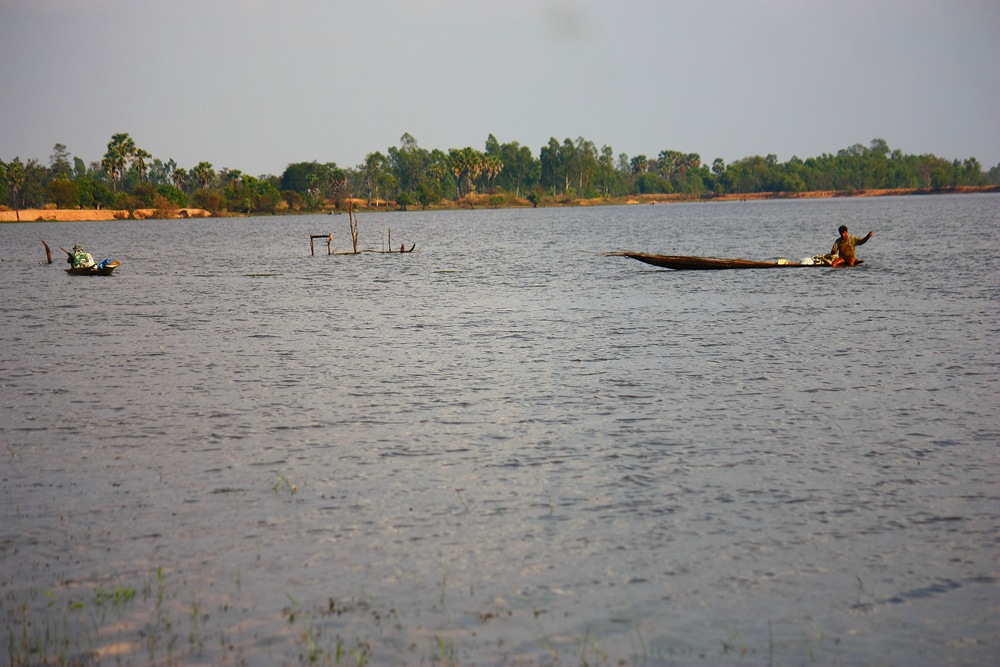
505	448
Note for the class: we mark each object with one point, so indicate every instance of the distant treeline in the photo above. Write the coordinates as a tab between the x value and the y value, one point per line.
128	177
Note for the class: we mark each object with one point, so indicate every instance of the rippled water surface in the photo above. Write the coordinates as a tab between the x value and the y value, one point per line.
505	447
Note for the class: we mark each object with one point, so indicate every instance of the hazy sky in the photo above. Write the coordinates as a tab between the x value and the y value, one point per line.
257	84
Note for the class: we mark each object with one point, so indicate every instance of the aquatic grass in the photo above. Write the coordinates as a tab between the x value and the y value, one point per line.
733	643
116	596
310	635
446	653
283	483
149	624
69	638
444	580
590	643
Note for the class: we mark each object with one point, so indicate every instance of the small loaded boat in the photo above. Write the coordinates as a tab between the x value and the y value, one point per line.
689	263
82	264
105	268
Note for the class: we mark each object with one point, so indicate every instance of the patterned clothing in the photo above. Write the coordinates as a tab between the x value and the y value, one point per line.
81	259
845	247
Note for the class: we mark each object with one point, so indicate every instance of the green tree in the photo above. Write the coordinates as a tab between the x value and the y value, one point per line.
650	182
59	166
161	172
35	189
465	164
252	195
408	163
492	166
552	164
439	172
181	179
210	200
144	195
203	175
94	193
79	168
121	148
429	192
993	175
584	164
607	175
296	177
521	170
972	172
64	192
404	200
14	176
140	162
372	169
172	194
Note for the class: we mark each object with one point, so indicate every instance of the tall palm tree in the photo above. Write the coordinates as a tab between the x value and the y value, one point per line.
492	166
456	163
203	174
139	161
180	178
14	175
121	149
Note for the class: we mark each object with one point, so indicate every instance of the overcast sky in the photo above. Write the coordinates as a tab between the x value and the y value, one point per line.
257	84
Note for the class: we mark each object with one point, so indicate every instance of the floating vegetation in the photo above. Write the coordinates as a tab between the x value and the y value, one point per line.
158	623
284	484
167	620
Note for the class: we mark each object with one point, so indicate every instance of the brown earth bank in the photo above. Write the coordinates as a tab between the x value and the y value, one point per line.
814	194
84	215
472	202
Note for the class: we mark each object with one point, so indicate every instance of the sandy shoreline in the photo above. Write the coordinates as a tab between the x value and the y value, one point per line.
87	215
482	201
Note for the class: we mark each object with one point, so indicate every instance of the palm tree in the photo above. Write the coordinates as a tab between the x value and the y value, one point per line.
139	158
14	175
121	149
456	161
180	178
203	174
228	177
492	165
474	166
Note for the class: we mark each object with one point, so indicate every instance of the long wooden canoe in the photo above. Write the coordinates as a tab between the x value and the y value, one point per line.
689	263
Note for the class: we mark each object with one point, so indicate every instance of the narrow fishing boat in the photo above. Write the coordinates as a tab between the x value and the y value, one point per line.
692	263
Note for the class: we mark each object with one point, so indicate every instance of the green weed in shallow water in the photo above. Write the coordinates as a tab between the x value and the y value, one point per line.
117	596
149	625
446	653
282	484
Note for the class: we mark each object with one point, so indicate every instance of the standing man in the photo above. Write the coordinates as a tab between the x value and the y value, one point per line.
843	248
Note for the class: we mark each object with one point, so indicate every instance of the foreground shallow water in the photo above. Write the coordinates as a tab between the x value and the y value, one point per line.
505	448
